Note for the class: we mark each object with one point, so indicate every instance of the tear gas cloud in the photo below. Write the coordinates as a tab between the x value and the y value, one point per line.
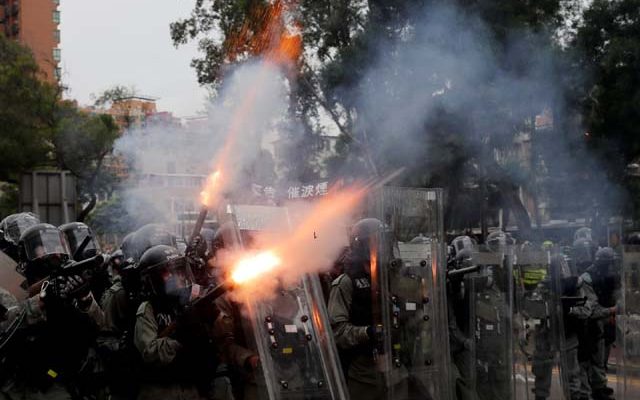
447	90
162	149
440	66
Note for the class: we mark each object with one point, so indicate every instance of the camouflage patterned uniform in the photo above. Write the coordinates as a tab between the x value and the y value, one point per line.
593	374
234	378
27	380
349	311
162	375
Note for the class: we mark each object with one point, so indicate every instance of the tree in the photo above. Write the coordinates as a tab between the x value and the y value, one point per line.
82	143
353	53
26	111
608	44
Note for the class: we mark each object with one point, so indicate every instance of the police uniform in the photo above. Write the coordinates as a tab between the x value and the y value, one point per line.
593	363
350	314
546	347
115	306
46	368
115	342
233	376
492	370
162	376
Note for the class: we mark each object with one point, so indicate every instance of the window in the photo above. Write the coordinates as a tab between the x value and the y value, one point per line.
58	73
56	55
56	35
56	2
56	17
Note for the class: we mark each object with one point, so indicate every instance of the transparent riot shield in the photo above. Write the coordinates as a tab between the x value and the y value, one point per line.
628	327
545	353
411	266
490	310
290	332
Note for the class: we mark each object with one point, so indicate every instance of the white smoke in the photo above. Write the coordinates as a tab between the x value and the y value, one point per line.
249	105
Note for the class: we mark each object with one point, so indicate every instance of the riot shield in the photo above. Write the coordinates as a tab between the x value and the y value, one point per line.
628	326
290	332
489	294
411	297
10	279
545	354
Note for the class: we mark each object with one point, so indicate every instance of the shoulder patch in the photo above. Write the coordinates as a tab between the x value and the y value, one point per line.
339	280
362	283
142	308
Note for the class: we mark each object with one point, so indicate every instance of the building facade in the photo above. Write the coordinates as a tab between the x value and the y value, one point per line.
35	24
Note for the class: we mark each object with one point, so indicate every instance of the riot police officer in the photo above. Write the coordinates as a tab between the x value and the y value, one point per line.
583	253
63	343
11	228
350	312
600	284
492	319
460	341
557	330
177	359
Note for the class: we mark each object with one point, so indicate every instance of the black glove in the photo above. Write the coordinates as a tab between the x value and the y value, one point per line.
375	333
70	287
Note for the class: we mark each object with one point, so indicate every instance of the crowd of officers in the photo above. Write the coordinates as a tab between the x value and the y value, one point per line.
577	336
124	326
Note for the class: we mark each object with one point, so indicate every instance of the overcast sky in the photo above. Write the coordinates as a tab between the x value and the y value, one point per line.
127	42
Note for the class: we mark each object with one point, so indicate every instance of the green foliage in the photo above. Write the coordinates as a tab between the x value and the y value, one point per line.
82	142
609	45
112	94
26	111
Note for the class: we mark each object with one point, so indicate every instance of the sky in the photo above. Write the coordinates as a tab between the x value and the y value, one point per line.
127	42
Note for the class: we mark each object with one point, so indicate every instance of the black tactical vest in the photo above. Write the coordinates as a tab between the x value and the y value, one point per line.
361	314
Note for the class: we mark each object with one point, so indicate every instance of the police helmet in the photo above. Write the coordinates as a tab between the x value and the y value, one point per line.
583	253
11	228
498	241
583	233
42	247
604	257
362	234
166	275
76	233
462	242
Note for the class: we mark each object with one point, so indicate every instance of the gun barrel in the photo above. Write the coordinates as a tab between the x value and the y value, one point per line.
76	268
463	271
199	222
215	292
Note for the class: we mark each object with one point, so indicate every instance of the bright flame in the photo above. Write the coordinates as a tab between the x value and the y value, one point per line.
211	188
252	267
268	32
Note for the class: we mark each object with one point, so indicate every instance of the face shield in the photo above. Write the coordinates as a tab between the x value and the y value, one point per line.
15	225
583	253
43	247
172	280
76	236
45	242
463	242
